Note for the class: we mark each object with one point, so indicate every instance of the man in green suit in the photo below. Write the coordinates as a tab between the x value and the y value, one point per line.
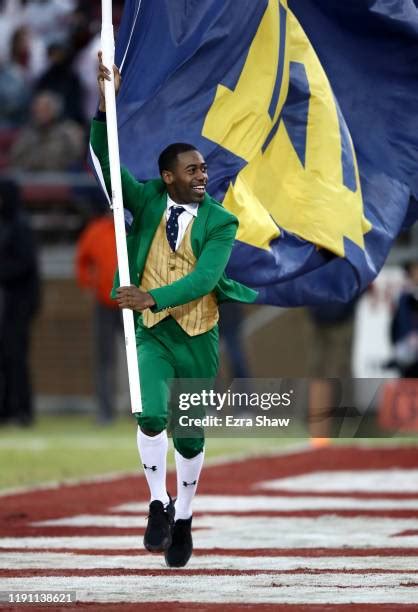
178	247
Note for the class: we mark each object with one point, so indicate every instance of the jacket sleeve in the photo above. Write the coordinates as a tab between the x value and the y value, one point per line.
206	273
132	190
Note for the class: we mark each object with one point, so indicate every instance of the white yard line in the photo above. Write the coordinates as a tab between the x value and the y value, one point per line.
243	532
274	503
387	480
22	560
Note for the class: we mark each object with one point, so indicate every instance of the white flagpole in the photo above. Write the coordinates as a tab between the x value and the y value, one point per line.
108	49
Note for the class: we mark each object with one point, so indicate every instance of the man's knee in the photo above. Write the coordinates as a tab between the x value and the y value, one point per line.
151	425
189	447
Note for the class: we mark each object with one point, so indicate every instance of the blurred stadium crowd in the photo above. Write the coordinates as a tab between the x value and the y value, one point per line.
48	58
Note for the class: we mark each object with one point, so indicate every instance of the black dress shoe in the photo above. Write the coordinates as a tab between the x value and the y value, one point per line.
157	537
180	551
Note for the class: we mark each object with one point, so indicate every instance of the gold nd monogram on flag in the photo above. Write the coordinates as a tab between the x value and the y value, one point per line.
282	118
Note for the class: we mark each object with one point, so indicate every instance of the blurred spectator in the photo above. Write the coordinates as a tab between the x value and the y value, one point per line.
230	329
27	53
82	27
46	18
86	67
48	143
330	347
61	79
68	29
332	328
42	18
15	87
404	326
19	301
14	97
96	265
20	49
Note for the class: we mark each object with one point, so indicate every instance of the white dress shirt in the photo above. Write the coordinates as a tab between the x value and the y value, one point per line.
190	211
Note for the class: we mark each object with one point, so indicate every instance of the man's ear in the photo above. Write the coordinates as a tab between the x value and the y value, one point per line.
167	177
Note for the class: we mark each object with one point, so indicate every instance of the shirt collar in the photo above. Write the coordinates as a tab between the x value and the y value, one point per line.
190	208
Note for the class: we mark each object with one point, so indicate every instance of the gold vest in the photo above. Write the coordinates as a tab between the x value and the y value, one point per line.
163	267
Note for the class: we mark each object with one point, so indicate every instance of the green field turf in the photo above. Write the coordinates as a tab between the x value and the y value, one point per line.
62	447
66	446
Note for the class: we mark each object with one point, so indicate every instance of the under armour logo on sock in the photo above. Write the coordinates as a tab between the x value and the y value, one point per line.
150	467
172	228
189	484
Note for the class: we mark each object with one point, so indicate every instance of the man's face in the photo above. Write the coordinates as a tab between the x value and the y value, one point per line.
186	183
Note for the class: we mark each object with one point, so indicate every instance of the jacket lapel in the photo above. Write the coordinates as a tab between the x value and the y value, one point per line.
199	226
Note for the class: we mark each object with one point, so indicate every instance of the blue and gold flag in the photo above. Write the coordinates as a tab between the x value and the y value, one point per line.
305	111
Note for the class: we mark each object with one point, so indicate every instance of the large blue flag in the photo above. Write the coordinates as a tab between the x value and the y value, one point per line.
306	112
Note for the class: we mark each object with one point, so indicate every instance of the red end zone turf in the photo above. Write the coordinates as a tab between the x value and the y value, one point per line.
327	529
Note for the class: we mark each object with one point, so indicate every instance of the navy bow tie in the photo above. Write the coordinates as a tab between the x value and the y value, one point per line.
172	228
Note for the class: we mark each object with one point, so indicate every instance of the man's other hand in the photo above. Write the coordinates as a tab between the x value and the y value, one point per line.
133	298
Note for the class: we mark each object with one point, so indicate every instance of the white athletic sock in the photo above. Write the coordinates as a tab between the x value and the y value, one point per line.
153	454
188	472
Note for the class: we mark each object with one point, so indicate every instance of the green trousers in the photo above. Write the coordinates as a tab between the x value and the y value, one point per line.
166	352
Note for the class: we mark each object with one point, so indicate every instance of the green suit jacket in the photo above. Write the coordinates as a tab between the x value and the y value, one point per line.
212	237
